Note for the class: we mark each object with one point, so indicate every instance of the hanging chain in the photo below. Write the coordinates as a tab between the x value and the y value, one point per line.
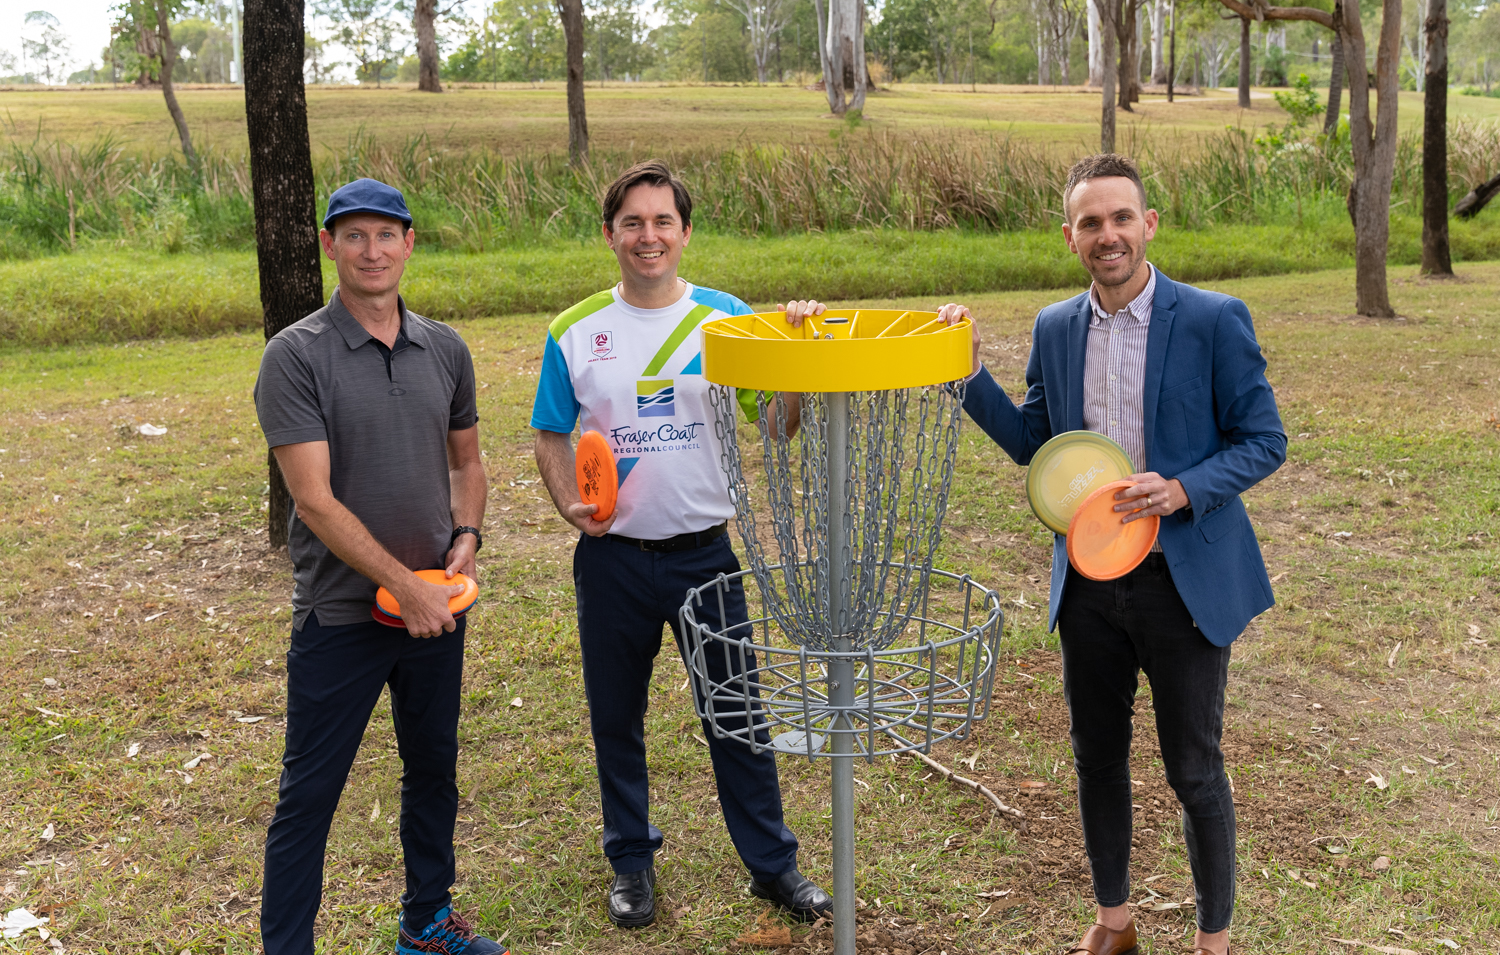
891	503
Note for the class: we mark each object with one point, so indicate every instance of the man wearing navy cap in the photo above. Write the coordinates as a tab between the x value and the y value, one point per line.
369	409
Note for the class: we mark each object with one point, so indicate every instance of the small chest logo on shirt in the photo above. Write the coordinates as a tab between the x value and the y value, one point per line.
654	398
604	343
397	392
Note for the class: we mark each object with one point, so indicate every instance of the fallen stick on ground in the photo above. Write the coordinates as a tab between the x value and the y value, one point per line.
984	791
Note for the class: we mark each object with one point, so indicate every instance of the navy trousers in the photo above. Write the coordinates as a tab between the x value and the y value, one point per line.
1111	630
625	595
334	677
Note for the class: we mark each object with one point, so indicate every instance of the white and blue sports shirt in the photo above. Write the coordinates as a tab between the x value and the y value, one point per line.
635	375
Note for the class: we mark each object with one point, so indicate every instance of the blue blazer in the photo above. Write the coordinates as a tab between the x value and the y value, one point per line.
1210	421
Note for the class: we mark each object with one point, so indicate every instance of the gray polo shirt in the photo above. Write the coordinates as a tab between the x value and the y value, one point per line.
386	415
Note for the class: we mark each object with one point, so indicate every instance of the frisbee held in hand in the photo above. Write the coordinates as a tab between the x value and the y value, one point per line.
1069	468
598	481
388	611
1100	545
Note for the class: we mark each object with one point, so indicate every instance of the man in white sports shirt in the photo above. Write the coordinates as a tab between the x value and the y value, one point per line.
629	360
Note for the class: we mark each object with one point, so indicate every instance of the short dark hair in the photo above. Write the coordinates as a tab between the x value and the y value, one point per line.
653	172
1102	166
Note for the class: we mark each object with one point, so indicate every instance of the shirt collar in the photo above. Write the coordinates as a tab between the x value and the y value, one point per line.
1139	308
356	335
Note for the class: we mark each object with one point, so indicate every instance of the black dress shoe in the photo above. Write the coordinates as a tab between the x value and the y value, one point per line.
632	898
796	893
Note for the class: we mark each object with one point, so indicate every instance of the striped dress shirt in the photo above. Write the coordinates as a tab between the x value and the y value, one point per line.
1114	373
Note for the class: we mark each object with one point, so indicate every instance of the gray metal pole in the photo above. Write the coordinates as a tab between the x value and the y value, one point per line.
841	672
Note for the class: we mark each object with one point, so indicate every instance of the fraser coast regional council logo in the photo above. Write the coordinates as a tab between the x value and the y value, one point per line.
653	398
604	343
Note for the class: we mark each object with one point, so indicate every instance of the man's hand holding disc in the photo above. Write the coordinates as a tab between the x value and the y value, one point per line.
424	606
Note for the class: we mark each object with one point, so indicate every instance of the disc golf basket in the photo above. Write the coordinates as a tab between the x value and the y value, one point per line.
855	645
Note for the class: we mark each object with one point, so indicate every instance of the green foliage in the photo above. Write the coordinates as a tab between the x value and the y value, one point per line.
112	296
515	41
56	197
1273	67
1301	103
369	31
930	40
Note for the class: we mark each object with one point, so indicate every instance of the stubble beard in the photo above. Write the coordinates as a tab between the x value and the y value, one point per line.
1135	255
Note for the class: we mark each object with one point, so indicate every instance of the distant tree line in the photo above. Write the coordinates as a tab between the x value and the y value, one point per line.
744	41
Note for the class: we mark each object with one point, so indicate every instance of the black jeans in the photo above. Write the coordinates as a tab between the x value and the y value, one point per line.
334	676
1111	630
625	595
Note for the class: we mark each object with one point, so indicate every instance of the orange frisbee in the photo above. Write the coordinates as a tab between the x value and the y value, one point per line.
1100	545
387	606
598	481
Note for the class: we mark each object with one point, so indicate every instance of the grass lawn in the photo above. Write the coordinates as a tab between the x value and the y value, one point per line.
145	622
639	117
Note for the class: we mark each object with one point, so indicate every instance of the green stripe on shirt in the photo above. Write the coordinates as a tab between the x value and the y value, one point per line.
683	329
579	312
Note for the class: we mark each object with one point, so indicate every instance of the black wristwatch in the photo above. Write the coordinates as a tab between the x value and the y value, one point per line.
478	537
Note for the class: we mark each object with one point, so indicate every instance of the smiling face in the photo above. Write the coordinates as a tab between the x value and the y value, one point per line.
1108	228
370	252
648	236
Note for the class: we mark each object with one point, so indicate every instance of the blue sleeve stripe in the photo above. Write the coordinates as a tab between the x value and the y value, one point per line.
556	407
722	301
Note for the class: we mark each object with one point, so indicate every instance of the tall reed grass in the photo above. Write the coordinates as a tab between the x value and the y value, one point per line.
57	196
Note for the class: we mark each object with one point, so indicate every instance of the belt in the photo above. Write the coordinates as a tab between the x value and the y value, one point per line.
671	545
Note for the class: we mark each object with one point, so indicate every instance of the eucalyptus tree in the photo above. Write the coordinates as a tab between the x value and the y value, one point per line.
281	181
764	20
149	24
1372	133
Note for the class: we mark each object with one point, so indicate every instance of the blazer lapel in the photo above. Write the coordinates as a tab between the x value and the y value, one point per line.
1163	311
1077	349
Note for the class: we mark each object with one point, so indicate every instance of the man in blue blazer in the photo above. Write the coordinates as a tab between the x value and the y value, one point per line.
1175	376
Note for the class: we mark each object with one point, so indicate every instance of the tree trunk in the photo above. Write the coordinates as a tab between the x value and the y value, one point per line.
571	12
1435	257
1244	62
1374	148
835	96
1172	52
169	63
424	24
281	181
1336	76
1109	11
1096	71
1128	67
1158	38
1472	204
833	78
858	66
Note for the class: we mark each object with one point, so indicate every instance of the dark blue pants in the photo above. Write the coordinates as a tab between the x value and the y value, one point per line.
1110	631
334	677
625	595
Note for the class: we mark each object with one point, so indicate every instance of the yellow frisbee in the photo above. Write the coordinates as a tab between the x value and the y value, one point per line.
1068	469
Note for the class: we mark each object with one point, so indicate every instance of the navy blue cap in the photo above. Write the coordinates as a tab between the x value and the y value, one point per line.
366	195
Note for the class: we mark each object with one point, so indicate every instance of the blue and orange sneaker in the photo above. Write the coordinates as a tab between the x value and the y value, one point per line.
449	934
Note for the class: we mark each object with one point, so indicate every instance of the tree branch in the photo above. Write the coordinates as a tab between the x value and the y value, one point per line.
984	791
1256	11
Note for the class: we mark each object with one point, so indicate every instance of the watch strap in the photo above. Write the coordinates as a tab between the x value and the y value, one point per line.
465	529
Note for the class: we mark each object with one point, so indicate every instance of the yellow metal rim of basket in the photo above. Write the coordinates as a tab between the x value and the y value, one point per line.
867	349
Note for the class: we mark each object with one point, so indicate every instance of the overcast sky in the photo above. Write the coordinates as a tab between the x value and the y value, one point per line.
86	22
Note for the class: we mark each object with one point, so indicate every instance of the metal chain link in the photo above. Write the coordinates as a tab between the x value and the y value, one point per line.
891	506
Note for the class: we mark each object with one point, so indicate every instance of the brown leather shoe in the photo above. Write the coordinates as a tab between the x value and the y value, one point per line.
1099	940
